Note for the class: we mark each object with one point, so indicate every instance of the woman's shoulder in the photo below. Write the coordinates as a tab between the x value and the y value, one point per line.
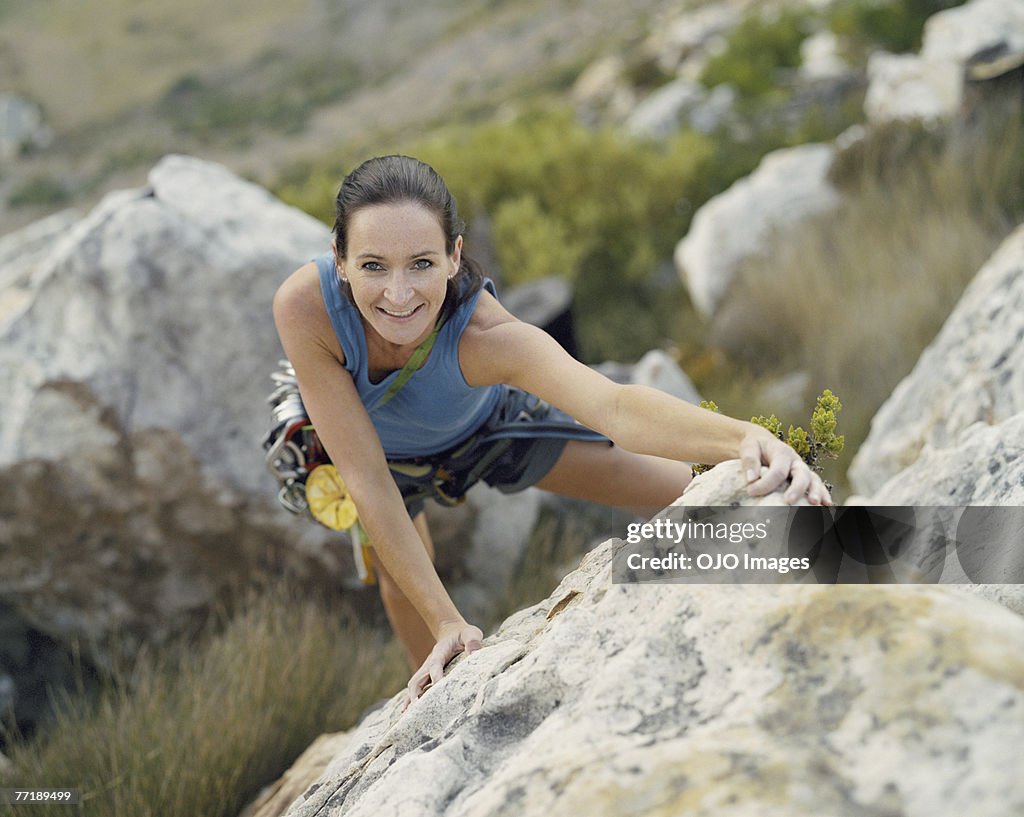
299	297
488	313
299	308
490	338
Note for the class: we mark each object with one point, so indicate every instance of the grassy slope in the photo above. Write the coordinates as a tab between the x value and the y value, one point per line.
104	70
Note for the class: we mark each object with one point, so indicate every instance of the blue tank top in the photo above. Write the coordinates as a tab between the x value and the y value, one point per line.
436	408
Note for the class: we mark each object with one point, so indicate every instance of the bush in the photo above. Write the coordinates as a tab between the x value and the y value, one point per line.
756	51
592	206
38	191
893	26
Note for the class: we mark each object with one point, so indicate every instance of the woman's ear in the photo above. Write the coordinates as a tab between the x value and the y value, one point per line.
457	256
338	261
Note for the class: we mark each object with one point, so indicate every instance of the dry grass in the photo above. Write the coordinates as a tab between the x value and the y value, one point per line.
200	728
855	297
199	731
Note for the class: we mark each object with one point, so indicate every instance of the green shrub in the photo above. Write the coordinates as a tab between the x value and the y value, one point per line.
822	442
38	191
895	25
756	50
593	206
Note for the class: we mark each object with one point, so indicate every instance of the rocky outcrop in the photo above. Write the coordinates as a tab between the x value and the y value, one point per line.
905	86
134	373
816	700
682	102
957	43
788	186
973	372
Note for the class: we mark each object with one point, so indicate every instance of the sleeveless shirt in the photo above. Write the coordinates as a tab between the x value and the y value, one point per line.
436	408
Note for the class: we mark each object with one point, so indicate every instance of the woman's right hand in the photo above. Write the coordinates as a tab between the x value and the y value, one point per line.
453	638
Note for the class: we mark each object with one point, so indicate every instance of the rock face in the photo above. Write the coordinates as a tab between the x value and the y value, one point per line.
972	372
984	466
906	86
816	700
307	768
134	372
788	186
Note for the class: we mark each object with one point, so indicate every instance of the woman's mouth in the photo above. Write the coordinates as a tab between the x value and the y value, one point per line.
400	314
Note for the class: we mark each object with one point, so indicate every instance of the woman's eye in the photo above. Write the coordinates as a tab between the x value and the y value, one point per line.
372	266
423	263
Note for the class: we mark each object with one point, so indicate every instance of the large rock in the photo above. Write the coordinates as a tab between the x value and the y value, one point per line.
963	32
275	798
815	700
907	86
132	486
659	115
787	187
972	372
930	86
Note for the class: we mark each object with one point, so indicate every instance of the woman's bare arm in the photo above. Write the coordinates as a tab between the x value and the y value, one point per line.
501	349
351	441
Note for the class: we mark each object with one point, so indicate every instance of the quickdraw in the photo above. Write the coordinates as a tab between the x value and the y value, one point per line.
310	485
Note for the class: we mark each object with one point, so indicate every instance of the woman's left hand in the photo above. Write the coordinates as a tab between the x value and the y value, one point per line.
762	447
455	637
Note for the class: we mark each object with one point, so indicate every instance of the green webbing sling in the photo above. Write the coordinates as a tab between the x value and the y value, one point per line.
412	365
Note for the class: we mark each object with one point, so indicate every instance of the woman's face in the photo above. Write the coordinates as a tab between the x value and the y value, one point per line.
398	269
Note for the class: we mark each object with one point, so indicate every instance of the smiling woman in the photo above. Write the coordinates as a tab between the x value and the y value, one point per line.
419	384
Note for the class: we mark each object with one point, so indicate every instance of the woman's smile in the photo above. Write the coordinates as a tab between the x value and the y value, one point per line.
400	315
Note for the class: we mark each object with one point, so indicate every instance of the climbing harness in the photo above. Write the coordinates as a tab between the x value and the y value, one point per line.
311	485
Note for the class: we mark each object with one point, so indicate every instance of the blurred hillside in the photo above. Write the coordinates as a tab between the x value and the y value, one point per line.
260	84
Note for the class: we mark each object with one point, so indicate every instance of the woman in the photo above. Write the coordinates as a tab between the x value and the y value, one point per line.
352	320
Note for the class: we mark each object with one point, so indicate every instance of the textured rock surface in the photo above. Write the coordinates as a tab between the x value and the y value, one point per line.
276	798
658	116
985	466
788	186
21	253
972	372
814	701
907	86
963	32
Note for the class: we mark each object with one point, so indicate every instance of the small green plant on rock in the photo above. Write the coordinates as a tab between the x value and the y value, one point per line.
821	442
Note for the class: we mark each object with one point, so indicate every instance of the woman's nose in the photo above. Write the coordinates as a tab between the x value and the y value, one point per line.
398	290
